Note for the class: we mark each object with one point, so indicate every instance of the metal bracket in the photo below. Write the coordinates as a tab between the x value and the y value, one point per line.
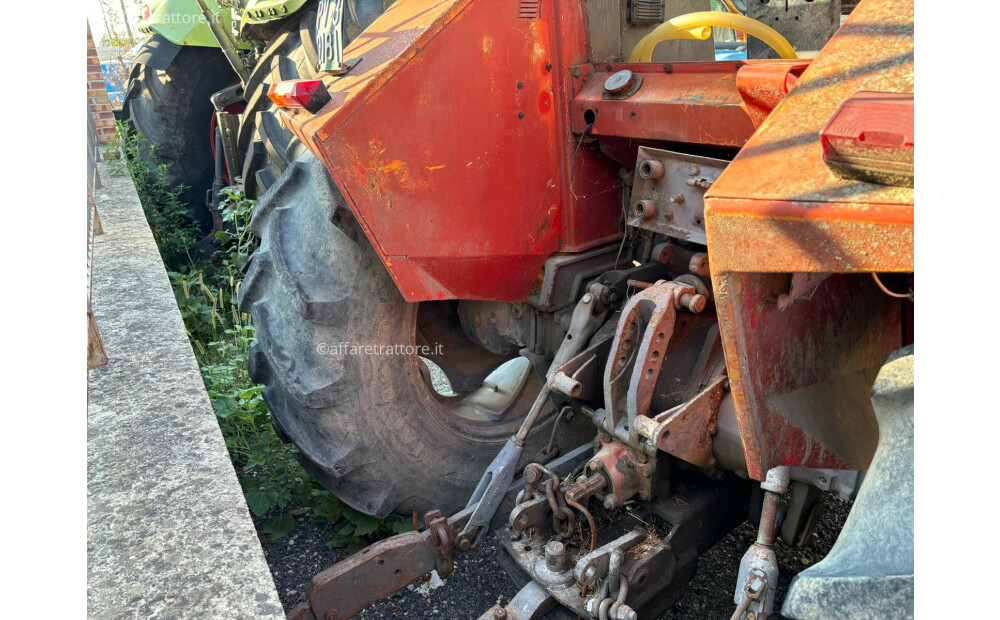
380	569
686	431
229	125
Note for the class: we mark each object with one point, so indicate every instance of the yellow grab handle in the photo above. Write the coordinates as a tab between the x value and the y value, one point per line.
694	25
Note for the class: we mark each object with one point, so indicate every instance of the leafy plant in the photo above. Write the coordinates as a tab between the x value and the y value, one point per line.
175	233
276	487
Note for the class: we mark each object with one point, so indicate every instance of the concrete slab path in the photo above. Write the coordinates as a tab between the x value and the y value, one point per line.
168	531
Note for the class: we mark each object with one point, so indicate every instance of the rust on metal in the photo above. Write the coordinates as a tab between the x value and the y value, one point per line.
762	86
382	568
686	431
779	210
403	170
663	300
697	102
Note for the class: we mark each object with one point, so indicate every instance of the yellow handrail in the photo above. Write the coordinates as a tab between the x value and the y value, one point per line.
699	26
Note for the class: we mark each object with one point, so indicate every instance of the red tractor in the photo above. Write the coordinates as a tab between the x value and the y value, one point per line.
510	280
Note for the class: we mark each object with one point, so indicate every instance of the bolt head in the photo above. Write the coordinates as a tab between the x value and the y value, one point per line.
596	465
500	613
464	544
610	502
588	298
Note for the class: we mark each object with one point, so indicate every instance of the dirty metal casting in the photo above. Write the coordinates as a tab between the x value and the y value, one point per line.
532	602
687	431
636	357
564	276
672	199
655	567
626	472
807	24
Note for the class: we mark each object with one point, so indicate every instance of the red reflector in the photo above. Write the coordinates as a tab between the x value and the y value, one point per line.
870	138
308	94
145	13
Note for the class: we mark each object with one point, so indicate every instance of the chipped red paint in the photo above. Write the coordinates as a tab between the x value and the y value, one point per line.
800	376
695	102
466	189
451	142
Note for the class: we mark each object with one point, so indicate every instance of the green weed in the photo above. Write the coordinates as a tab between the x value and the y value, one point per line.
174	232
275	485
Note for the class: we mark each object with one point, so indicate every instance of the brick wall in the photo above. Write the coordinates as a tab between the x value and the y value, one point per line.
97	94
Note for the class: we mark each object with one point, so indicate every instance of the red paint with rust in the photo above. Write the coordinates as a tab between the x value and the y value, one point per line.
762	86
453	140
800	376
450	141
694	102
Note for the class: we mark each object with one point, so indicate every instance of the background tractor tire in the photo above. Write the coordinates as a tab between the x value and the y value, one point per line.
171	110
368	425
266	145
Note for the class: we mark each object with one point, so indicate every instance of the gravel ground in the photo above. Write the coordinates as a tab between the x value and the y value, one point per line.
479	581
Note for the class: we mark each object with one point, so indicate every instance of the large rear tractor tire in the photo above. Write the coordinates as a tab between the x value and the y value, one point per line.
172	112
332	337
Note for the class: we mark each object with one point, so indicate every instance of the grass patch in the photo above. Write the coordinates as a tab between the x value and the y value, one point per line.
276	487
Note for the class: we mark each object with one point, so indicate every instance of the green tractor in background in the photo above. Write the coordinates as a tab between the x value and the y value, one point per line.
198	89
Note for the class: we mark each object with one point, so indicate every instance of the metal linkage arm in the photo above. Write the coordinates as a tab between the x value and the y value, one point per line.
588	316
381	569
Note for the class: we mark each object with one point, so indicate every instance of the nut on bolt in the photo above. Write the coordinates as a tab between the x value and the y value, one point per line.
500	613
531	475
